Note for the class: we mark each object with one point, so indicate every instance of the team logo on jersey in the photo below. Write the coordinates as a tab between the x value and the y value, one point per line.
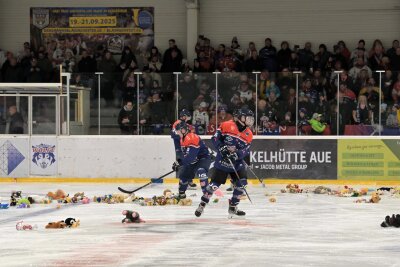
40	18
43	155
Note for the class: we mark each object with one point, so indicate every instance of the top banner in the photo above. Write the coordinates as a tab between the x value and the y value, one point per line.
89	27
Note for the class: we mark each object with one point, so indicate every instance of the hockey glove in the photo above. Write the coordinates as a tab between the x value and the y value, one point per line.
176	166
223	150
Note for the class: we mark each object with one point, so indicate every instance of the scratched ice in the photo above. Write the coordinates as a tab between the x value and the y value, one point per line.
297	230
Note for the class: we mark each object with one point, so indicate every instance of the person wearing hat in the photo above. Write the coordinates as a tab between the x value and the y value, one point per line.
317	127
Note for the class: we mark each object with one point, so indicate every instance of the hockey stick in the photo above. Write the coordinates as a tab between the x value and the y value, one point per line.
149	183
240	184
261	180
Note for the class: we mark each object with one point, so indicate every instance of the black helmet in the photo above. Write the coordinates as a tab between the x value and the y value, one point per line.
182	125
248	115
185	113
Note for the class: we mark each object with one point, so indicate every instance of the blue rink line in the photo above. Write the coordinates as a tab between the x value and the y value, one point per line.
34	214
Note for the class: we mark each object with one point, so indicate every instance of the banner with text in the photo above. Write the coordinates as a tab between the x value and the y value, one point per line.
369	159
81	28
293	159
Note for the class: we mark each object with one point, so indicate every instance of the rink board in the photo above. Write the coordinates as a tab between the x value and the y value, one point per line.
138	158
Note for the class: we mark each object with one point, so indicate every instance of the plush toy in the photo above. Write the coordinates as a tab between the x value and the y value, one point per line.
272	199
23	206
4	206
322	190
24	201
167	193
72	222
15	196
375	198
59	194
85	200
391	221
131	217
216	200
185	202
56	225
219	193
20	226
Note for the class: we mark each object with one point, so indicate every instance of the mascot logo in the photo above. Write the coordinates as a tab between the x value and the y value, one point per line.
43	155
40	18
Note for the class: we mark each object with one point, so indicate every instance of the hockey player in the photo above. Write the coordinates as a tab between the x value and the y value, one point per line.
232	141
184	116
195	160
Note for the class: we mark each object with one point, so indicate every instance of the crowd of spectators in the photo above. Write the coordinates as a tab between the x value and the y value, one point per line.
359	87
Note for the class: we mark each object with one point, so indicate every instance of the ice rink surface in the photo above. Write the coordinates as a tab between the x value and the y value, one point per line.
297	230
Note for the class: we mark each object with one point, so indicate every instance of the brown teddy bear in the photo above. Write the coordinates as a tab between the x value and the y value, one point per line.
185	202
59	194
56	225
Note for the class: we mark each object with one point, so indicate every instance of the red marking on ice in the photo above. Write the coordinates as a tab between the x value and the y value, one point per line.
111	252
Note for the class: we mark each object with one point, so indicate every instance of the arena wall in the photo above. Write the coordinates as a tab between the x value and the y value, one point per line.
253	20
125	158
300	21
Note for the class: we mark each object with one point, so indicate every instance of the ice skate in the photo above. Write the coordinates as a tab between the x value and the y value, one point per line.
200	209
234	212
192	186
180	196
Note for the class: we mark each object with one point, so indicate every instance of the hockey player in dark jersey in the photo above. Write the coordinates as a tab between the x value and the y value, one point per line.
184	116
195	161
232	142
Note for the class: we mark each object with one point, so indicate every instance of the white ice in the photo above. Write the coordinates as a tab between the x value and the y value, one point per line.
297	230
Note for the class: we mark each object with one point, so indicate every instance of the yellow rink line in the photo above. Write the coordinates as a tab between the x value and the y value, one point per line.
174	180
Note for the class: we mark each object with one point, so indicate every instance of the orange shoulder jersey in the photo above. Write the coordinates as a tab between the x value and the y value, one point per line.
193	149
236	141
177	138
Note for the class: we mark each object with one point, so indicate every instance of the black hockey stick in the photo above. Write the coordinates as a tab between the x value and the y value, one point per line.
240	183
261	180
143	186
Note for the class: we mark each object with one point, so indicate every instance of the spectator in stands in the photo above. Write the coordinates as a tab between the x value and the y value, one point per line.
310	92
361	112
15	120
283	56
387	83
202	63
173	63
201	118
372	91
287	121
185	67
228	63
253	63
392	51
395	59
319	82
219	54
34	74
158	113
237	50
354	72
302	121
294	63
322	106
127	56
306	58
375	56
68	64
244	92
339	57
284	81
268	56
393	117
87	64
187	87
108	66
395	94
323	56
344	50
167	53
250	49
129	87
317	127
223	116
13	73
361	81
355	52
155	64
127	118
